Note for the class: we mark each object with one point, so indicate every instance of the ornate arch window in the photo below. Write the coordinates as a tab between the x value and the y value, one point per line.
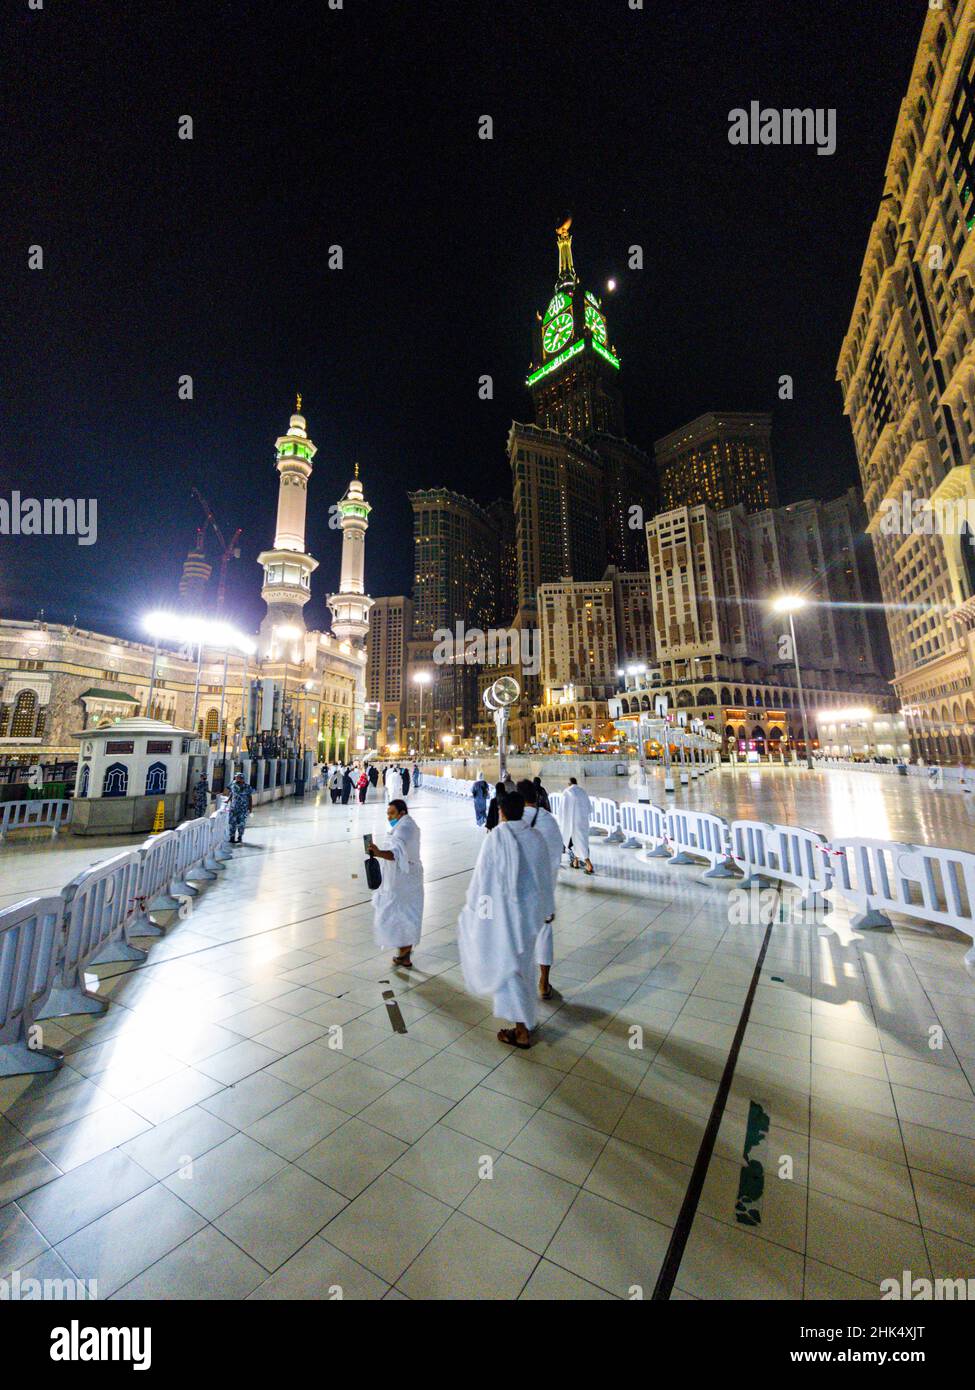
156	779
25	715
116	780
85	779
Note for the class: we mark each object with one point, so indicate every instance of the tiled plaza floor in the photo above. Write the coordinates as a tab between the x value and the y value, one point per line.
204	1140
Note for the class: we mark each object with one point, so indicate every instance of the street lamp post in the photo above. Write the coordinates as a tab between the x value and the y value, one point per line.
791	604
421	678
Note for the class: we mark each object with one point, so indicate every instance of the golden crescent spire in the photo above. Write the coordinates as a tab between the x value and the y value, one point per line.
298	403
357	470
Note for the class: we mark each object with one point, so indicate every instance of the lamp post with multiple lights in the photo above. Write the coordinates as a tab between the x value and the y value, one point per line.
421	678
198	632
790	604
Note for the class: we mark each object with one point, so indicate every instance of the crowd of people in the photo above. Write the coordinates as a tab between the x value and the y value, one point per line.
345	780
504	931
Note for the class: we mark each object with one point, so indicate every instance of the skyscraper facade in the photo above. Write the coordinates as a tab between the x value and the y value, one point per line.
713	575
722	459
906	373
456	581
390	631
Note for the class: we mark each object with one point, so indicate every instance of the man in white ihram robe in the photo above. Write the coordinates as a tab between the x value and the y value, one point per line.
574	823
509	896
398	902
392	783
544	824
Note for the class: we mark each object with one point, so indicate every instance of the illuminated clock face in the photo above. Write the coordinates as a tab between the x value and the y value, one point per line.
596	324
556	305
506	690
557	333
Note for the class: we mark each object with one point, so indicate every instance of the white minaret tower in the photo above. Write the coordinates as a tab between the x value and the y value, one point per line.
288	568
350	607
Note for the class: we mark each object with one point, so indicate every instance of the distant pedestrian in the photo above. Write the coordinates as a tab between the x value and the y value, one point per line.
480	792
201	795
541	795
416	775
241	797
373	774
405	778
363	786
547	826
335	784
346	785
574	819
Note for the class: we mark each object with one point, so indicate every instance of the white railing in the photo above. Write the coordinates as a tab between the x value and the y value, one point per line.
700	835
48	944
919	881
782	854
605	816
877	876
30	933
45	813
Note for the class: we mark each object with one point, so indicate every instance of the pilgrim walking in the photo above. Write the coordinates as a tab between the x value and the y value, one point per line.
547	826
509	896
398	901
574	819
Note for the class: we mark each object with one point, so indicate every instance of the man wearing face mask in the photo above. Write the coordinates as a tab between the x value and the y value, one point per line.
398	901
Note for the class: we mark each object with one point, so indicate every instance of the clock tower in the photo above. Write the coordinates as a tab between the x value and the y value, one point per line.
574	374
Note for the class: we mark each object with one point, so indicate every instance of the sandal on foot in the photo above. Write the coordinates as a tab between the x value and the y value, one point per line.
404	962
509	1036
546	993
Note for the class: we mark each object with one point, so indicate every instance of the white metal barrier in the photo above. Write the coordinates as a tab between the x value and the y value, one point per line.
928	884
784	854
47	944
605	816
555	803
30	934
700	835
46	813
100	904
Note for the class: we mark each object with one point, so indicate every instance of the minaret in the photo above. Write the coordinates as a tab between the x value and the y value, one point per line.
288	568
350	607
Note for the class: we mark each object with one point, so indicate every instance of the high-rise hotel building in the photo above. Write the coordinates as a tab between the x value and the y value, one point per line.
907	374
462	571
722	459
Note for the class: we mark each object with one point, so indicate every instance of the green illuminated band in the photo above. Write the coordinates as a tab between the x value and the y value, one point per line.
605	352
576	347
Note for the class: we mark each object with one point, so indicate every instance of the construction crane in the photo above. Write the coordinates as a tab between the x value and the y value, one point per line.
230	552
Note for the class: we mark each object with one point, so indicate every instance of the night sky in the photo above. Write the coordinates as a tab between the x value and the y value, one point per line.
358	127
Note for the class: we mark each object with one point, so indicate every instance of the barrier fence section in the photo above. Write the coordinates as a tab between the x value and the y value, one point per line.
782	854
877	876
46	813
47	944
30	933
919	881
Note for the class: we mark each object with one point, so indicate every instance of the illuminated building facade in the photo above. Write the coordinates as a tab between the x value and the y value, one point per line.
717	654
721	459
573	377
907	374
390	631
458	565
56	679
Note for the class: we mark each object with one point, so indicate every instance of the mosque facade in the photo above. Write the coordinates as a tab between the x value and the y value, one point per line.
58	679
